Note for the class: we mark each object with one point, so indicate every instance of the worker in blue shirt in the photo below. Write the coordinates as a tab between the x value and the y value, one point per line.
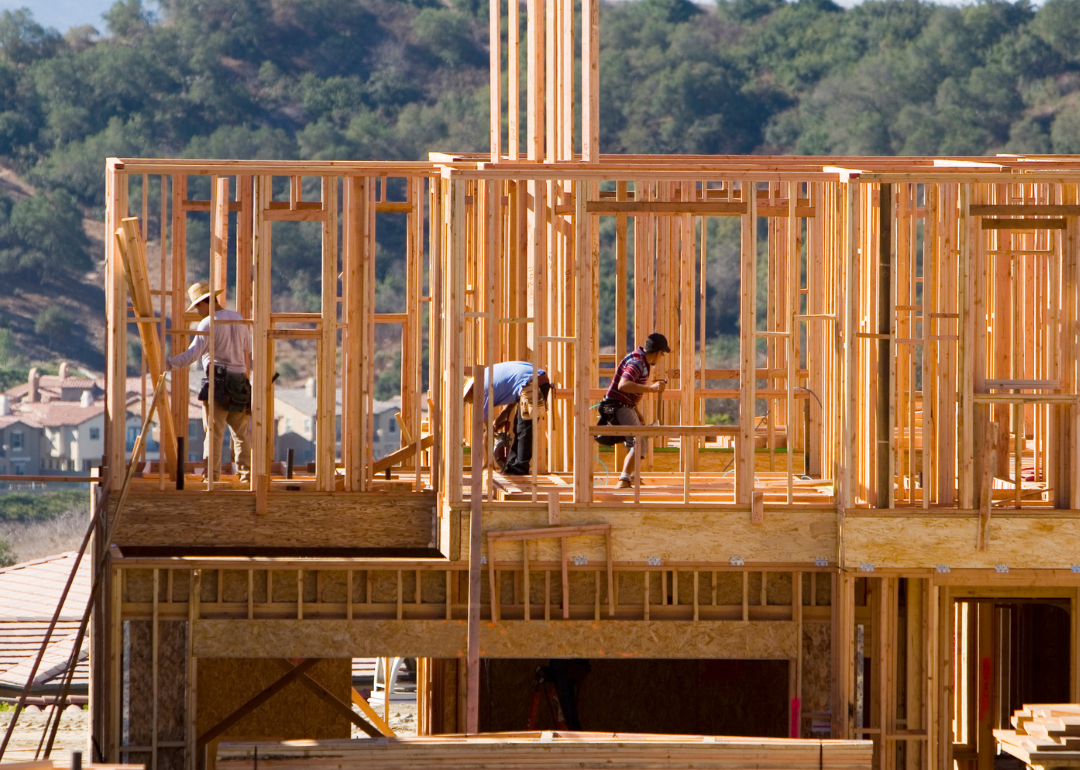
511	387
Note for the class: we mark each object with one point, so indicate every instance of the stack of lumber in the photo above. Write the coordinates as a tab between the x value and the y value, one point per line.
1046	735
550	751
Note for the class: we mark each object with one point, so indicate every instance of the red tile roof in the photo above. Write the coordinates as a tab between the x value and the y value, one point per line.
20	643
50	387
29	593
25	419
54	414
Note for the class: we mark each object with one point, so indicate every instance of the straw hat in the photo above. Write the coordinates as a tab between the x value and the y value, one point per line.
197	292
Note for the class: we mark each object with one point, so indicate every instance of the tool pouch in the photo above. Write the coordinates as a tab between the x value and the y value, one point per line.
232	391
607	410
526	409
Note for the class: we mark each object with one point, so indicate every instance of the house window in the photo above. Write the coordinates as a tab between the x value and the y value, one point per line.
95	434
288	424
393	426
20	469
307	425
17	440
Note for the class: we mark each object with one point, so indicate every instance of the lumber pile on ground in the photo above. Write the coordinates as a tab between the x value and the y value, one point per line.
550	750
1046	735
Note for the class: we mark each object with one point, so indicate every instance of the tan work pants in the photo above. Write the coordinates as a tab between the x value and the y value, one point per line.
238	423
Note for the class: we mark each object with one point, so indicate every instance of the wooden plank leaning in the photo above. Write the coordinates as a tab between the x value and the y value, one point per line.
132	248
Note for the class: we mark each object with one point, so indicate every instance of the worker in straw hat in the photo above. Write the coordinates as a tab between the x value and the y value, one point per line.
231	387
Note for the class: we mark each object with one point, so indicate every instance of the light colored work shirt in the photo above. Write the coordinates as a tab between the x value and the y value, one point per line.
232	344
511	378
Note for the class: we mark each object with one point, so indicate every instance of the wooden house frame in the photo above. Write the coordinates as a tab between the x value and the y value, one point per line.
905	452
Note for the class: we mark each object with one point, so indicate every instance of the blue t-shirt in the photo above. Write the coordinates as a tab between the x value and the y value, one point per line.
511	377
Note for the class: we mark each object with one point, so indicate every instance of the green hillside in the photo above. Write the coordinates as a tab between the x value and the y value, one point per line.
393	79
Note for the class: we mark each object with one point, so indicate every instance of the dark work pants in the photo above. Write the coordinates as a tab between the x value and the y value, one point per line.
517	461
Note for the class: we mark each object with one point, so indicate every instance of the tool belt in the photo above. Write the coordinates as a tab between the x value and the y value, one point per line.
608	409
526	408
232	391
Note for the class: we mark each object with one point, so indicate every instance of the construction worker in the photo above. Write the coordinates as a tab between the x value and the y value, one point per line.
630	383
231	389
512	388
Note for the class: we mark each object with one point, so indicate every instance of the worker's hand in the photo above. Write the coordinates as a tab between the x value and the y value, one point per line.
659	386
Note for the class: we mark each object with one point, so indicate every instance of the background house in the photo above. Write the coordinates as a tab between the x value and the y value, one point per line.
20	443
55	424
294	420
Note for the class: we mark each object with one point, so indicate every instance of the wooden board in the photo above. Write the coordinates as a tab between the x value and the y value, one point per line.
226	684
762	640
555	751
676	534
292	519
1019	541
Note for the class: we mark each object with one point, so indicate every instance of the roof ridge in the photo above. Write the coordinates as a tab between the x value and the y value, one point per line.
42	560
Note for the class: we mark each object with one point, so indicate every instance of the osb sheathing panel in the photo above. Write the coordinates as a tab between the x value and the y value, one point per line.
171	681
710	697
235	585
138	682
226	684
670	534
778	588
208	585
171	759
449	704
384	586
729	588
762	640
314	519
181	585
433	586
822	589
334	585
1025	541
139	586
137	757
316	638
816	670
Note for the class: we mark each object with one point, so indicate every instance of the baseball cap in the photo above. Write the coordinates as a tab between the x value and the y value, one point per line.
656	342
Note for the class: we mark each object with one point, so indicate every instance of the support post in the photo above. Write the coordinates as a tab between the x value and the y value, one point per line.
886	257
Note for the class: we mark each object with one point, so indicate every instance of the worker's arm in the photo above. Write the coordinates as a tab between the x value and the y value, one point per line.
198	346
629	386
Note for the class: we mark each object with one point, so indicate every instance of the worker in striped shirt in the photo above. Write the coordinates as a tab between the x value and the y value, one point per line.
630	383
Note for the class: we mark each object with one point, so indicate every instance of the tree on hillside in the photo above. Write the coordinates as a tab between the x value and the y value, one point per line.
53	324
41	236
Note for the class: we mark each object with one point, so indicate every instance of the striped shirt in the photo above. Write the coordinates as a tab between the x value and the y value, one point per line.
634	368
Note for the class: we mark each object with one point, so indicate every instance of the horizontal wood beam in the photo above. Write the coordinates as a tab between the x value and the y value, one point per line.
1023	224
757	639
1022	209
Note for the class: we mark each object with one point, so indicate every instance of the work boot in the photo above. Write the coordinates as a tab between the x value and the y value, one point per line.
624	484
